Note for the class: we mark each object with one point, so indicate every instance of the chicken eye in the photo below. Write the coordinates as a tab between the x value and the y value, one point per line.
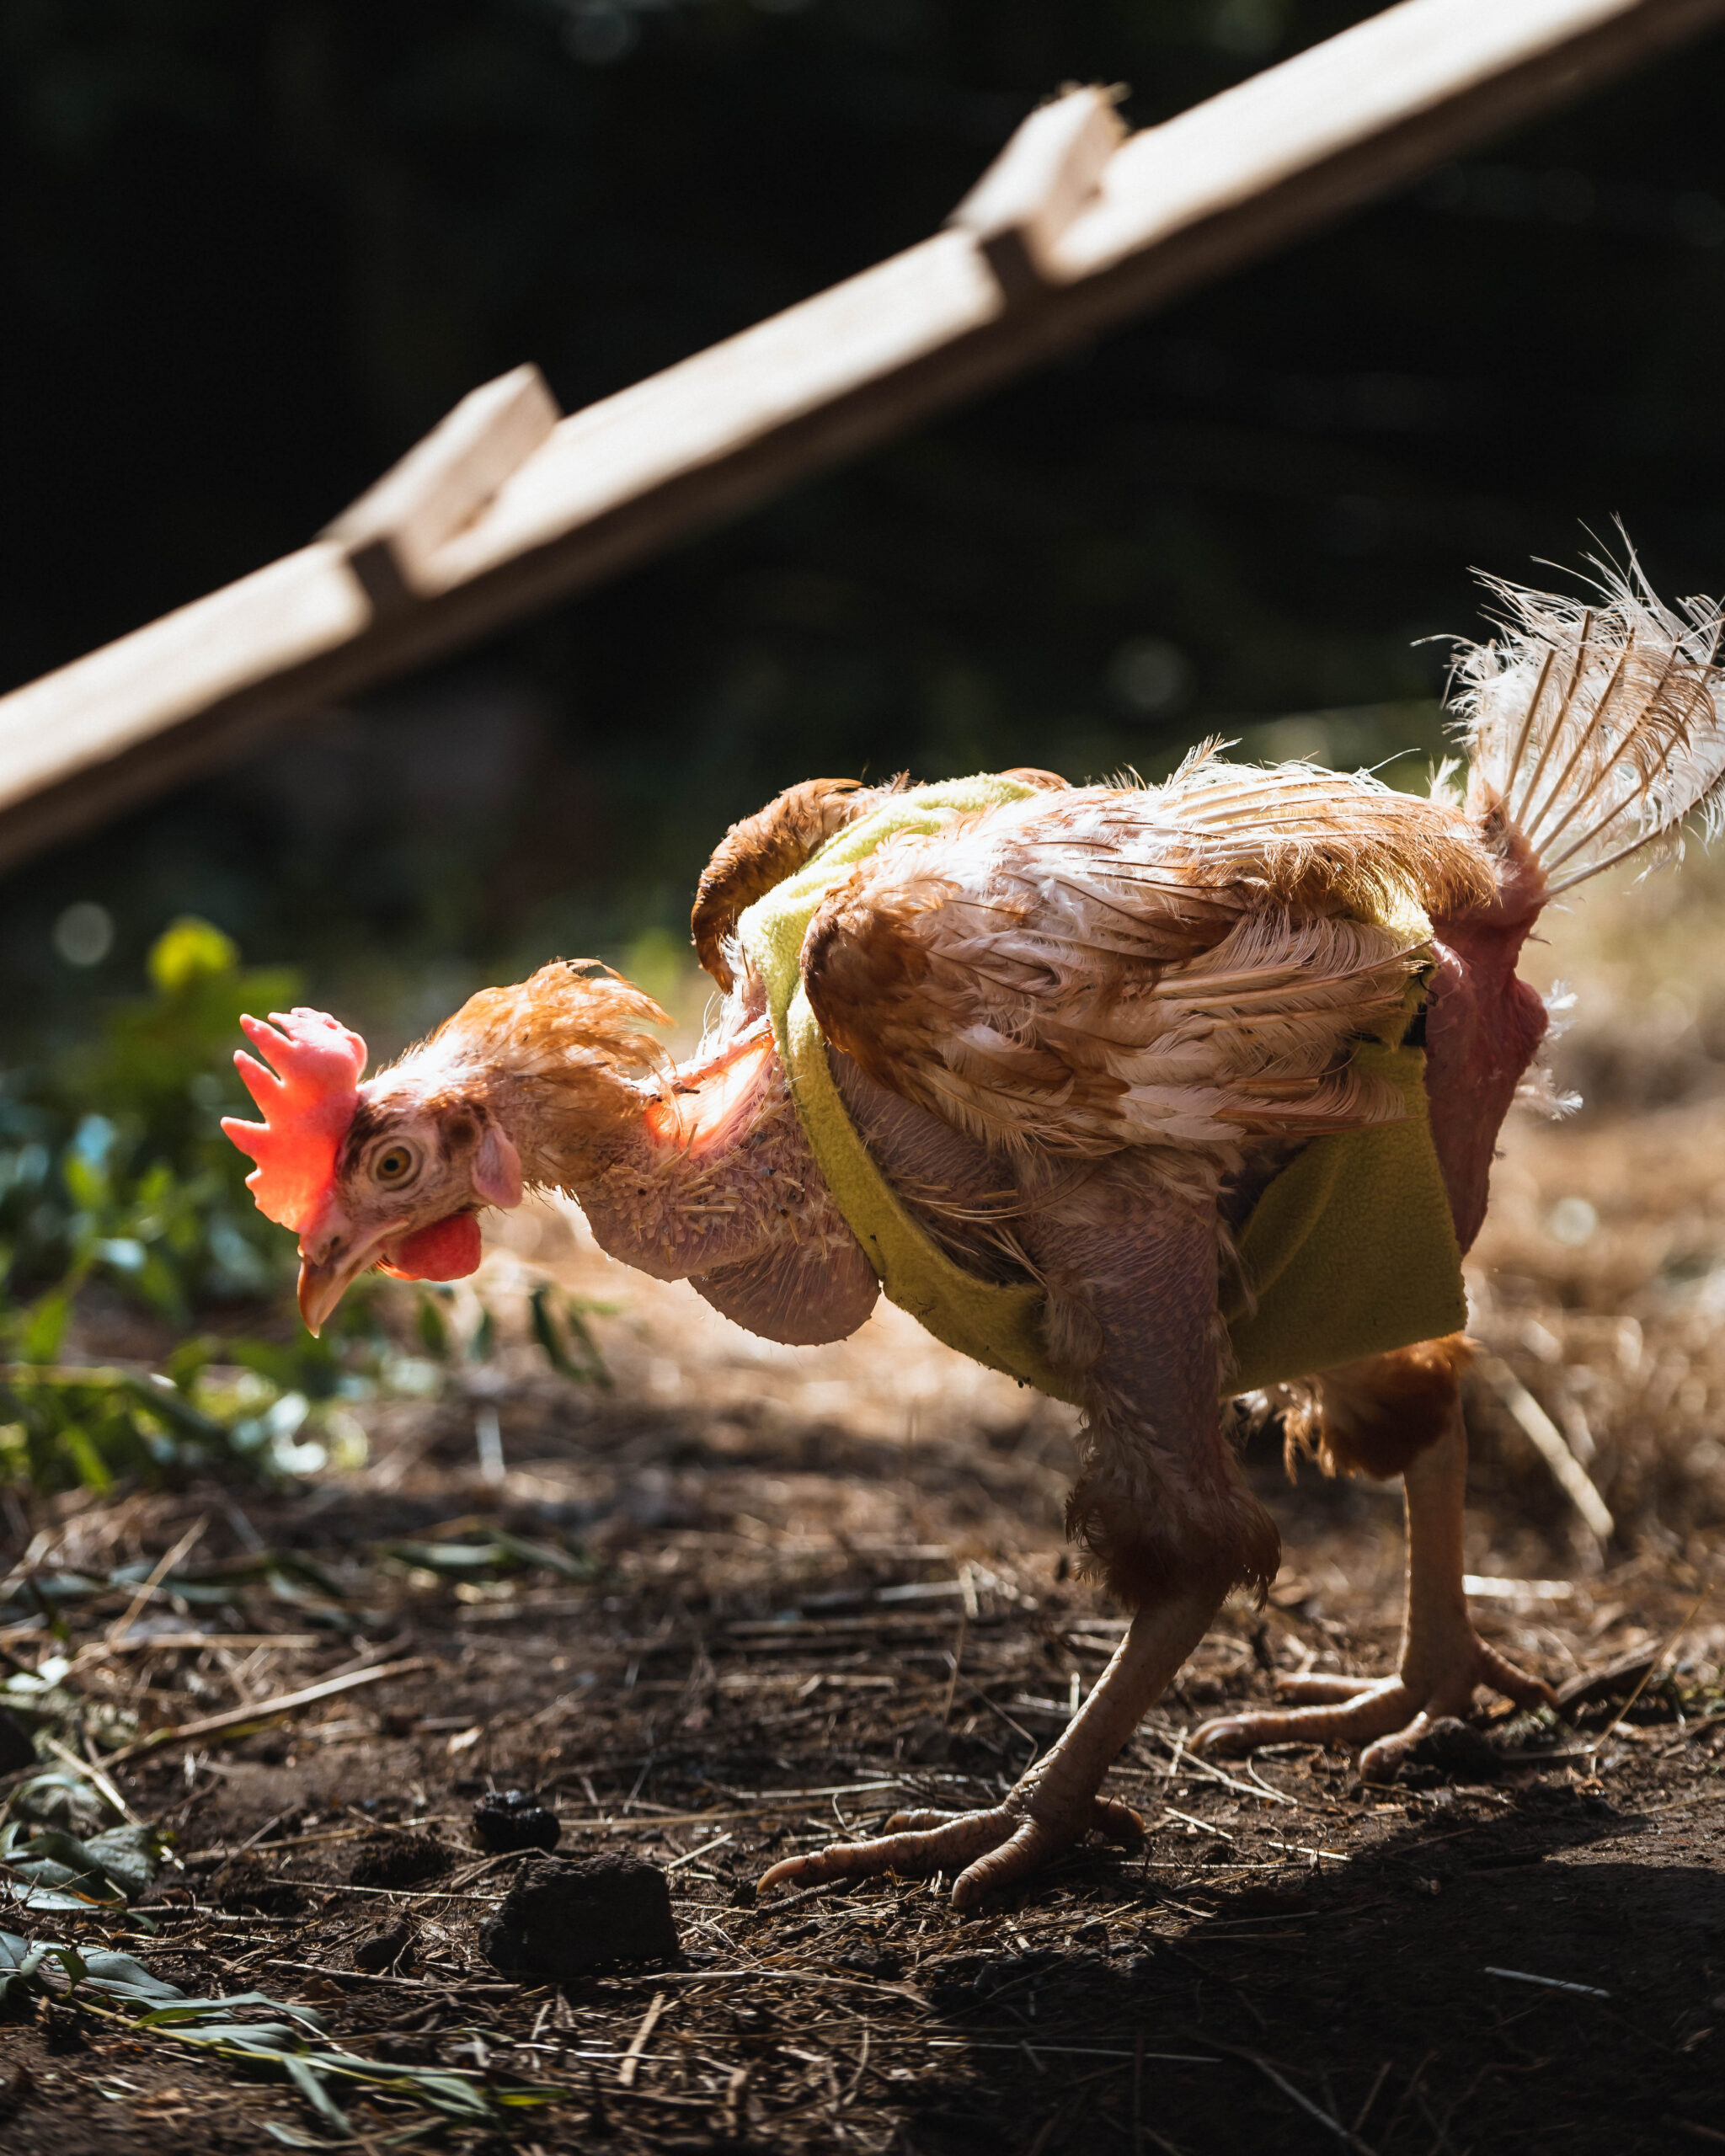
393	1165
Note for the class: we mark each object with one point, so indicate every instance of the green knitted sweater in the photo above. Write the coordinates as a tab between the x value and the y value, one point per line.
1350	1251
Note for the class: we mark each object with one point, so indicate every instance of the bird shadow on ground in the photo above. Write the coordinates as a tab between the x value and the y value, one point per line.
1494	1981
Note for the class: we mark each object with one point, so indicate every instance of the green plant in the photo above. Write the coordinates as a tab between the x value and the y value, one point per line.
112	1162
113	1173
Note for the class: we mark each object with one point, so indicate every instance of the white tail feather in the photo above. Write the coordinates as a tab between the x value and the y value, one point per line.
1597	727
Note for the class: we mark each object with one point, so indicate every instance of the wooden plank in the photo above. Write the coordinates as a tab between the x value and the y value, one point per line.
82	744
1351	117
442	483
1057	242
1047	173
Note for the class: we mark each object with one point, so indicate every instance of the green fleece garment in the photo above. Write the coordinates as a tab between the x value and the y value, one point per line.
1350	1251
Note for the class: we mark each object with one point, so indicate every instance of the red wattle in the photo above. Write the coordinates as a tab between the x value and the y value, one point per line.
447	1250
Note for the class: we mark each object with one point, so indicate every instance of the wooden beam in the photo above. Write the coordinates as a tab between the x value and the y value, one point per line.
495	515
395	528
1031	194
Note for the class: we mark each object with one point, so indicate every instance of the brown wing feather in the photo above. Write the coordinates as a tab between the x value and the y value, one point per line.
1179	966
774	843
762	851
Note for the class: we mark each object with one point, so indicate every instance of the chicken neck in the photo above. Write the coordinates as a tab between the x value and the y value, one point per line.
703	1175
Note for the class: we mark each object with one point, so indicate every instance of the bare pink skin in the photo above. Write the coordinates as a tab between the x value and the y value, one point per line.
720	1189
1483	1028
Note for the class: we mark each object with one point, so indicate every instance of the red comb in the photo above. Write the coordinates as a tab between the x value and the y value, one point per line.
309	1100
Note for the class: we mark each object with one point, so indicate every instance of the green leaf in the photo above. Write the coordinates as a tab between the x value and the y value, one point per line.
201	2009
57	1797
457	1558
590	1368
117	1865
189	1360
165	1397
44	1326
28	1895
294	2049
572	1564
93	1472
309	2083
130	1855
434	1333
188	950
122	1976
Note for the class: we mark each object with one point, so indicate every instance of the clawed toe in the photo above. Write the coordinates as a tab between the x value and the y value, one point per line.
1503	1676
988	1850
1382	1718
1325	1688
1373	1710
926	1842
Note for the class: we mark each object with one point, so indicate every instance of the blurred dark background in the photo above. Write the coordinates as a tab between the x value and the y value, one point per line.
248	254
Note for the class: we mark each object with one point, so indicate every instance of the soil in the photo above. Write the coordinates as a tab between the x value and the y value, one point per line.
1472	1963
819	1586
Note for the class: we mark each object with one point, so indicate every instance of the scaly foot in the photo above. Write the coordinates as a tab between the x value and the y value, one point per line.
1054	1805
1386	1716
988	1849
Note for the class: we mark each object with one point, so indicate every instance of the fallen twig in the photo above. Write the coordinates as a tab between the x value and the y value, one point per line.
1653	1669
1550	1984
706	1848
266	1710
1552	1446
159	1572
637	2043
1298	2096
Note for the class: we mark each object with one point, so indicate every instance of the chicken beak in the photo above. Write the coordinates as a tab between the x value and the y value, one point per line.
331	1257
321	1288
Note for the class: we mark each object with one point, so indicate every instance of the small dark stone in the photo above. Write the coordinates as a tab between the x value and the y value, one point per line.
510	1819
16	1750
384	1948
562	1919
1452	1747
1093	1932
399	1860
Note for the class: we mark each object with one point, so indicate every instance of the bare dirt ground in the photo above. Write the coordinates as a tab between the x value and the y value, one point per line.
816	1586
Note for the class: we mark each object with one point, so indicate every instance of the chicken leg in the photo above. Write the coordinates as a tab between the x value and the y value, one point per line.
1054	1802
1443	1658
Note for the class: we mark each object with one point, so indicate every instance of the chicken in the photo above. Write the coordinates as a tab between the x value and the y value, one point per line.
1059	1065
